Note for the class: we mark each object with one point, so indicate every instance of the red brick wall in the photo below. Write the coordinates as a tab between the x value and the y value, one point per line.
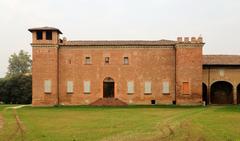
145	64
44	67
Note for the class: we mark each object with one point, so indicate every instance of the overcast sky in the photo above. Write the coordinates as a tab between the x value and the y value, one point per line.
217	21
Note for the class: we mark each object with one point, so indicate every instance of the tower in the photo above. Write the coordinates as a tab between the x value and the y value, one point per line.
45	45
189	70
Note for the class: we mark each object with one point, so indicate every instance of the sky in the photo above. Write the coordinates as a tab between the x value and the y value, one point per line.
217	21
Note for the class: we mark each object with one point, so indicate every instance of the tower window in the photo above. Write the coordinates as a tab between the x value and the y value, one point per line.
125	61
49	35
39	35
107	60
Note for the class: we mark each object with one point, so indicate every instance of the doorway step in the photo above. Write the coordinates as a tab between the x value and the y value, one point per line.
108	102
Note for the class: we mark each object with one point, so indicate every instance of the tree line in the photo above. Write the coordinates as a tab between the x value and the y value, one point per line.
16	86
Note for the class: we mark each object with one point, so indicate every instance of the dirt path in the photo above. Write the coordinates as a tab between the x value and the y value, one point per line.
1	121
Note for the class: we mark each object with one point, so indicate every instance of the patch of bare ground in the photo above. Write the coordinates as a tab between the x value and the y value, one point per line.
19	130
1	122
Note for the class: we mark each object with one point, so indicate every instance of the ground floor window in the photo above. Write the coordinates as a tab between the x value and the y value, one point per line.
47	86
130	86
87	87
147	87
69	86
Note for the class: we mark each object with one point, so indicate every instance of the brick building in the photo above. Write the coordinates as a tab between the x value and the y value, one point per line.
132	72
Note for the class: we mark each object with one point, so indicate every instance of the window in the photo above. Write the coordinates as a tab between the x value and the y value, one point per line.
39	35
69	86
221	72
107	60
47	86
49	35
147	87
125	61
185	88
165	89
87	87
88	60
130	87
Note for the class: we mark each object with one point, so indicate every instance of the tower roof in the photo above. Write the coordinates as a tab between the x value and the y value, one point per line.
46	28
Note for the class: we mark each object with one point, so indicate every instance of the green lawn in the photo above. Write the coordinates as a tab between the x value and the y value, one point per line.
133	123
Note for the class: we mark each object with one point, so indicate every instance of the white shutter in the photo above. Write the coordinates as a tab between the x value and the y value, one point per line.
165	89
147	87
47	86
87	87
69	86
130	86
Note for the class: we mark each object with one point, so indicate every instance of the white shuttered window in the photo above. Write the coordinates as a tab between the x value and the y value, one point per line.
47	86
165	87
148	87
87	87
130	86
69	86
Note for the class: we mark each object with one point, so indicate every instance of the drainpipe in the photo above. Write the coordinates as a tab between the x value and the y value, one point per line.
175	75
58	97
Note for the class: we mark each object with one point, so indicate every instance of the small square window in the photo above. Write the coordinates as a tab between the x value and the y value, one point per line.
39	35
125	61
88	60
49	35
107	59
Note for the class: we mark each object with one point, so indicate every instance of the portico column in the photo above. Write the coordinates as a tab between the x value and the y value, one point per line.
234	95
209	94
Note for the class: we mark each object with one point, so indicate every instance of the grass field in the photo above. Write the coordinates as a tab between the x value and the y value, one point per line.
133	123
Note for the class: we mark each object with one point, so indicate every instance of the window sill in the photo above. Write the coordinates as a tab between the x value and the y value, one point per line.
166	93
130	93
87	92
47	92
147	93
87	64
69	93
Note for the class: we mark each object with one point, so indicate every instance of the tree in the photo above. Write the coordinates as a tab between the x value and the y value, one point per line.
16	87
19	64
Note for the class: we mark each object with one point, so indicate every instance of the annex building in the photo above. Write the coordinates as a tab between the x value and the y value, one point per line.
129	72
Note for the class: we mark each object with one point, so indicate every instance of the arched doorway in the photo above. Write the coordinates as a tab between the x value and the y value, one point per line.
221	93
204	93
238	94
108	87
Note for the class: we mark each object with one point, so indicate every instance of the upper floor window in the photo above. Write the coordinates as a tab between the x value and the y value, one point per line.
49	35
107	59
125	61
88	60
39	35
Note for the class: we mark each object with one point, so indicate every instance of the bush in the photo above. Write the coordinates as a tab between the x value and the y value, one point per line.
16	89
